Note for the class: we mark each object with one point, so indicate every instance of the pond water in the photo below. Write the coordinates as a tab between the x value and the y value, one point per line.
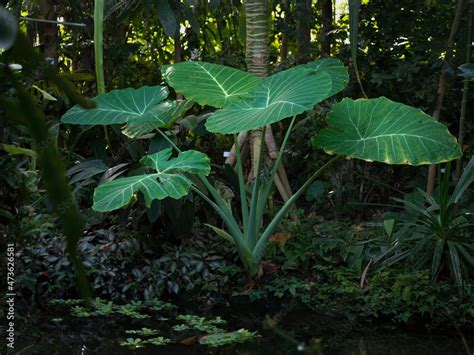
298	332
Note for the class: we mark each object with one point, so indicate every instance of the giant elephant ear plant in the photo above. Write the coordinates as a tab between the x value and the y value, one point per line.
368	129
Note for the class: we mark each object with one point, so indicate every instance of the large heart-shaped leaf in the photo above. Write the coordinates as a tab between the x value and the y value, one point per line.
209	84
168	181
123	106
336	70
281	95
386	131
137	129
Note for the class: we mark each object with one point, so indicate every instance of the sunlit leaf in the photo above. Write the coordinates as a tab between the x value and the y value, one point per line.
14	150
386	131
282	95
336	70
46	95
209	84
124	106
169	180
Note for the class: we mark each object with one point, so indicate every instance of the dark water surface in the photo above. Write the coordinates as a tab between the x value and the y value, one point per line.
296	330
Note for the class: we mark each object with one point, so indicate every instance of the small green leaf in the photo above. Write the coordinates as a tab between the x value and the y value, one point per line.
14	150
168	181
46	95
386	131
315	191
221	233
124	106
209	84
388	225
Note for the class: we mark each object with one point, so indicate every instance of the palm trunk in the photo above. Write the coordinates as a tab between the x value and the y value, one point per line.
462	118
257	53
257	59
442	87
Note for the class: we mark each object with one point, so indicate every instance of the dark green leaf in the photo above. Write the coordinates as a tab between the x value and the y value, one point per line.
8	28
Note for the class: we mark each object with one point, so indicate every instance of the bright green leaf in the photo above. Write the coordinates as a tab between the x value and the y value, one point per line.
124	106
386	131
209	84
14	150
336	70
388	225
169	180
279	96
46	95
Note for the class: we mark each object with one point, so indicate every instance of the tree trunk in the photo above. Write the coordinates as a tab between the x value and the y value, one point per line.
442	87
177	55
327	28
49	31
257	59
465	91
257	53
303	29
284	33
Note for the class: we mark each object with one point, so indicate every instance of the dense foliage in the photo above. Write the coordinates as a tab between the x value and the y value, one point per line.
183	151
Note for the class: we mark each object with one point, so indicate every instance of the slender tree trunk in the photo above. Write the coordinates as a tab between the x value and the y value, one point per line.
257	54
303	29
49	31
327	27
284	33
177	55
442	87
257	59
465	91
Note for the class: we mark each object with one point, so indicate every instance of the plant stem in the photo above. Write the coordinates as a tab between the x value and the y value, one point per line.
266	192
98	44
465	91
243	193
259	248
99	53
251	233
354	8
221	203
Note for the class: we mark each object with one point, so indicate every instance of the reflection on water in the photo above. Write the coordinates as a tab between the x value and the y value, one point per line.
297	333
